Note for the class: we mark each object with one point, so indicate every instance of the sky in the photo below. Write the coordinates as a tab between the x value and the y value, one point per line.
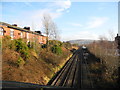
75	20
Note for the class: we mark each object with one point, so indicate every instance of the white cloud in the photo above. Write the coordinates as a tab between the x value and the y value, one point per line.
63	5
81	35
76	24
96	22
39	13
68	11
60	10
55	10
35	18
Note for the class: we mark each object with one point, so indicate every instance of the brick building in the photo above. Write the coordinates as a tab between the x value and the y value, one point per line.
16	32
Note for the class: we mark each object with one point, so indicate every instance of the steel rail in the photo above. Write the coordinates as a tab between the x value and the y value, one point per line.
88	72
59	79
66	73
70	74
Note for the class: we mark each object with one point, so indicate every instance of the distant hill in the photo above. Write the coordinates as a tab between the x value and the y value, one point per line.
81	41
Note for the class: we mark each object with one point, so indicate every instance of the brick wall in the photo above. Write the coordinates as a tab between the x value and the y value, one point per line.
22	34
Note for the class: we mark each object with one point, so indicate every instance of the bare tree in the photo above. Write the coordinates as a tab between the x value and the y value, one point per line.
50	28
111	35
46	24
54	31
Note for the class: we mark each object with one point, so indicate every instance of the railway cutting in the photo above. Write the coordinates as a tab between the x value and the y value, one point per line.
75	73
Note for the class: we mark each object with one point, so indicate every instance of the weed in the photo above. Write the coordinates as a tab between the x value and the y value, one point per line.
20	62
22	48
56	49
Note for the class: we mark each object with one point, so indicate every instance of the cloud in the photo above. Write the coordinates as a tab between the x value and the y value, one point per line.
96	22
55	10
62	5
76	24
80	35
37	14
35	17
60	10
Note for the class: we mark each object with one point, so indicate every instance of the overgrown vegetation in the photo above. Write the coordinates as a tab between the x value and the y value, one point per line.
22	59
106	71
20	62
56	49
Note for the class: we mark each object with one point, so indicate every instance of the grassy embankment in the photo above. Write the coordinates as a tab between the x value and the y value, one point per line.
104	73
32	62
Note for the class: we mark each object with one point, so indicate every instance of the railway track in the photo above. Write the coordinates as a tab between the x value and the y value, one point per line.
66	77
86	81
74	73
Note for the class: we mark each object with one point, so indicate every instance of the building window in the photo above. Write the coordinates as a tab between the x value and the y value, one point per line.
1	31
21	34
11	33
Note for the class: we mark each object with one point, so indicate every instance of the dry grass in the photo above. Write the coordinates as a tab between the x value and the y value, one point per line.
105	50
38	68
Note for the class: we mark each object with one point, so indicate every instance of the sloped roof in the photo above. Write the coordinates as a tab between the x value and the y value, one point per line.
18	28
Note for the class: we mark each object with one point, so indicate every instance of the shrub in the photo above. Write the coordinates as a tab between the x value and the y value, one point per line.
12	45
55	42
56	49
105	50
6	38
20	62
44	46
67	45
6	42
22	48
29	45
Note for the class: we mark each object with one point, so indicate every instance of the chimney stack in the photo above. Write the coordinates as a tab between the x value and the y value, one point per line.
14	25
27	28
38	32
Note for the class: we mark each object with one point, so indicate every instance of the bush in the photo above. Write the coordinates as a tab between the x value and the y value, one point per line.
6	41
20	62
67	45
22	48
29	45
55	42
105	50
12	45
44	46
56	49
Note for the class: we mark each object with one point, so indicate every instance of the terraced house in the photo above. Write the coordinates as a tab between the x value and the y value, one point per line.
16	32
